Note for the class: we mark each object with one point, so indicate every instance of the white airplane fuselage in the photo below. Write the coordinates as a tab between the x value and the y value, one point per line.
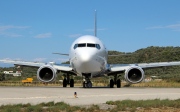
88	55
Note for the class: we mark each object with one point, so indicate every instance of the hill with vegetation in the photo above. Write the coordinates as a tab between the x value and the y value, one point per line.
149	55
146	55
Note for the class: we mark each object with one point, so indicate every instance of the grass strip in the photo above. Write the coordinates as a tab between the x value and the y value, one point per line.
124	105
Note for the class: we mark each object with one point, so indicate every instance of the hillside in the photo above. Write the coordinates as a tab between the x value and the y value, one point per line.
146	55
151	54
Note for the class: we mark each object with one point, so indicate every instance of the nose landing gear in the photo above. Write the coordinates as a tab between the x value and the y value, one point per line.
87	82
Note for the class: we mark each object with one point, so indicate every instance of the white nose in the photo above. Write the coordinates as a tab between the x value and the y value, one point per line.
86	61
86	57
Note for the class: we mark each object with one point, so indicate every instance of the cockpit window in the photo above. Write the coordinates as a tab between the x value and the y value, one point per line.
82	45
98	46
90	45
75	46
79	45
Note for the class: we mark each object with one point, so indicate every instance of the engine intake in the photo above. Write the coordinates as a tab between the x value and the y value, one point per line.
134	74
46	73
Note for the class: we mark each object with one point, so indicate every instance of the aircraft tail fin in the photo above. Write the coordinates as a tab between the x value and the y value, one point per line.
95	24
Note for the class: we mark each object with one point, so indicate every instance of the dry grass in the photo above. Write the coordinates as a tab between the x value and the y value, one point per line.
95	84
157	84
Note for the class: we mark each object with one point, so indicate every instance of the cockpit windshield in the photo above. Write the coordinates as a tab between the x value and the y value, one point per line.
82	45
91	45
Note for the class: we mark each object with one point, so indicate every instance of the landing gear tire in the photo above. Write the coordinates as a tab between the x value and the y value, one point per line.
118	83
111	83
64	83
87	85
72	83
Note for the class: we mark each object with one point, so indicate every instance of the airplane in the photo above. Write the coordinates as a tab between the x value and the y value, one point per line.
88	58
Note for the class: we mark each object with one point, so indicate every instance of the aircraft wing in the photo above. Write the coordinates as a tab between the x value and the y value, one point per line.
61	67
123	67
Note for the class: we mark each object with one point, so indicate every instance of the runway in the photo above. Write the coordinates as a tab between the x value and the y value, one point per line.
35	95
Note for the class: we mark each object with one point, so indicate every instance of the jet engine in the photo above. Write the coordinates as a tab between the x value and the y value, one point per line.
46	73
134	74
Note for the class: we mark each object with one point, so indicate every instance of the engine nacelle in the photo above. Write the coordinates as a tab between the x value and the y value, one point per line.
46	73
134	74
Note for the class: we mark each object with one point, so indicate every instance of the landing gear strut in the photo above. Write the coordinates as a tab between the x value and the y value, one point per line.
67	81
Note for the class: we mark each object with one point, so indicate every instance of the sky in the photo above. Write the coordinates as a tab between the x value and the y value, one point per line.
32	30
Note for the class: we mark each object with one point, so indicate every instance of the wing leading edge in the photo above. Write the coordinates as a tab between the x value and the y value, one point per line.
123	67
61	67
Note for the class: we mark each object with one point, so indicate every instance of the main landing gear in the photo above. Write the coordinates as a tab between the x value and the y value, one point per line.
116	82
67	81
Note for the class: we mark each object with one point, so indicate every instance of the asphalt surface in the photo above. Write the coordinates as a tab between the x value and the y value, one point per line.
35	95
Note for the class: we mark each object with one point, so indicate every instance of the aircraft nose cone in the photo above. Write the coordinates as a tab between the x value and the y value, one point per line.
86	60
85	57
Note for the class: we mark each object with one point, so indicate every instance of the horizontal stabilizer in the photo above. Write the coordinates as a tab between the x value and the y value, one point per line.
61	54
